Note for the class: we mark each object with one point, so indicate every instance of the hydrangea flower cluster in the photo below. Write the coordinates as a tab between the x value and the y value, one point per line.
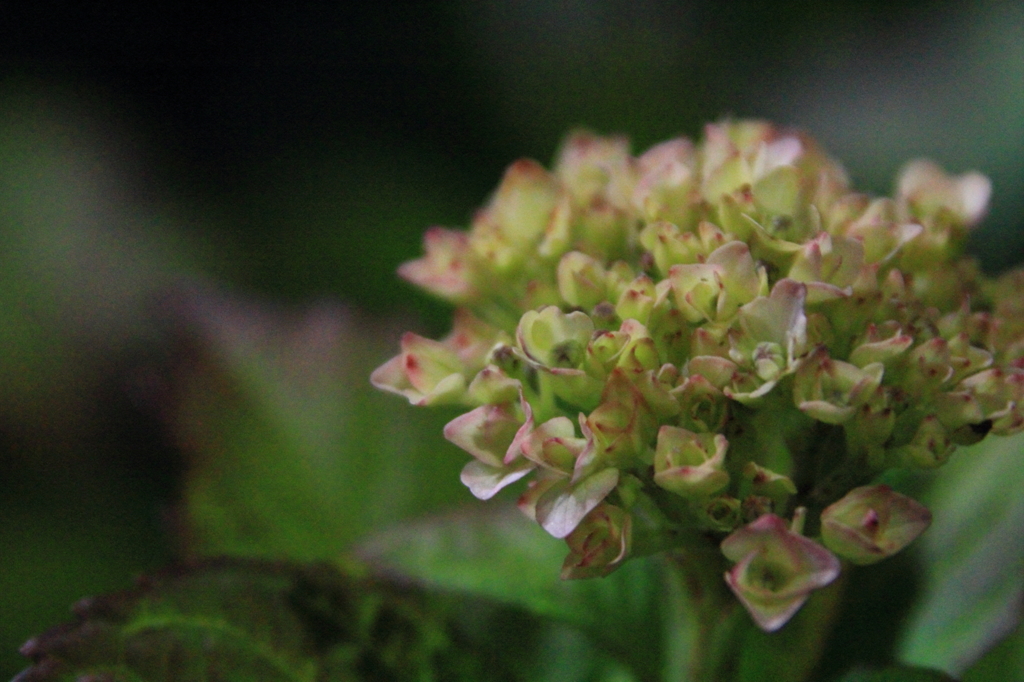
710	339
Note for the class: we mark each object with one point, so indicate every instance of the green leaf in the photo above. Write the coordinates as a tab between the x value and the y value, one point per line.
875	602
245	620
898	674
291	452
502	555
973	558
1003	662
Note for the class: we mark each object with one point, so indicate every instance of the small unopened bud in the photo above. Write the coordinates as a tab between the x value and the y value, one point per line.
426	372
637	301
552	338
871	523
721	514
926	189
831	390
689	464
828	266
623	424
931	446
599	544
581	280
447	269
766	483
716	288
666	187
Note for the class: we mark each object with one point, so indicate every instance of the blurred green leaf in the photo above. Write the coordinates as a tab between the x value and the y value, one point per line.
897	674
64	534
876	599
1003	662
504	556
973	558
244	620
292	452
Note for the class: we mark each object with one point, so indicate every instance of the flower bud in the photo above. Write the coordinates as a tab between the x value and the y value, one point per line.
828	266
491	433
581	280
638	300
426	372
880	343
494	435
596	169
666	187
603	352
881	231
741	153
689	464
999	393
492	386
622	425
518	214
831	390
778	318
715	289
929	367
669	246
669	329
776	570
766	483
639	354
927	190
447	270
703	407
599	544
552	338
554	445
870	428
871	523
966	359
721	514
656	394
436	372
931	445
957	408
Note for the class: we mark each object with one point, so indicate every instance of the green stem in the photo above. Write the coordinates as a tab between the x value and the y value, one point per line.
714	639
544	407
711	620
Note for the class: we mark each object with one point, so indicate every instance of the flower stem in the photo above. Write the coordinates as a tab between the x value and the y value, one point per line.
710	618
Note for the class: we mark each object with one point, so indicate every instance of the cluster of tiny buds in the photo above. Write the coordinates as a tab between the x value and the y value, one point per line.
708	339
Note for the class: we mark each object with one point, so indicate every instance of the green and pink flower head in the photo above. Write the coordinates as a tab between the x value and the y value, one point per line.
704	341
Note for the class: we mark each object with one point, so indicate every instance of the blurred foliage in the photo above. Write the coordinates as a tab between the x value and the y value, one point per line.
291	452
646	614
177	183
973	558
499	555
1002	662
247	620
897	674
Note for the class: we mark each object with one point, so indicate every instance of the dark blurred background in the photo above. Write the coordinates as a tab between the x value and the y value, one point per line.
159	159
